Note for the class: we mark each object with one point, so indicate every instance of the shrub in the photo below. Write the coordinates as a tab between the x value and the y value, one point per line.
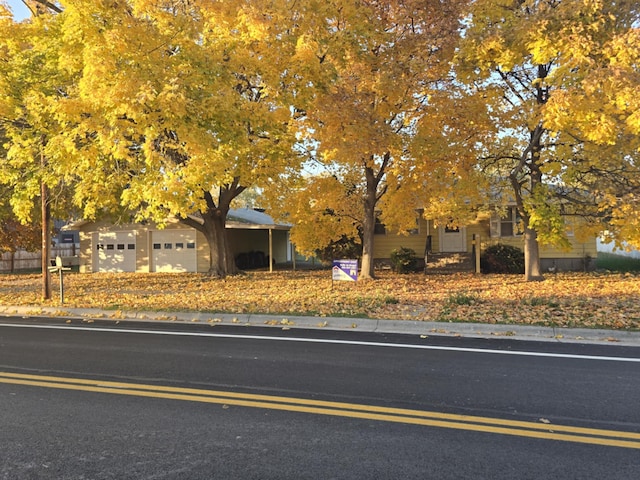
345	247
501	258
403	260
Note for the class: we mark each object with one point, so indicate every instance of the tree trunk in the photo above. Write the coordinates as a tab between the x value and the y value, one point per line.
372	195
221	259
368	225
213	227
232	268
214	232
368	231
531	256
46	242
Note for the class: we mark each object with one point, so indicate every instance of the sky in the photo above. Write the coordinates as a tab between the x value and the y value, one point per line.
20	11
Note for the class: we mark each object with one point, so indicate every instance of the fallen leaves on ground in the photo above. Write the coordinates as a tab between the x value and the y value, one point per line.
565	300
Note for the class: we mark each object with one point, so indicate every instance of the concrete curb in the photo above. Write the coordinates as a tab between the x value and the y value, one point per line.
410	327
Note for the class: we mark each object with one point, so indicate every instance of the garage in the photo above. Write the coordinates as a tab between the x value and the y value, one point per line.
173	251
115	252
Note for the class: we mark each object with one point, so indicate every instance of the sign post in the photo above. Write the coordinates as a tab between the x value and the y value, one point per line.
344	270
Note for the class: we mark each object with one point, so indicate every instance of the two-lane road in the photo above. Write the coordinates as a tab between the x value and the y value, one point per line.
89	401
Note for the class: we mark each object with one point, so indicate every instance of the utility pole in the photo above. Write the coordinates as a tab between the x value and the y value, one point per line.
46	235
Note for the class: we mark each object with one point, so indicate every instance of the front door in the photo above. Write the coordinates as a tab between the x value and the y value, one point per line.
453	239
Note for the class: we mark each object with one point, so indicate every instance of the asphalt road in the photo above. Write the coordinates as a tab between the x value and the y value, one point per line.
159	401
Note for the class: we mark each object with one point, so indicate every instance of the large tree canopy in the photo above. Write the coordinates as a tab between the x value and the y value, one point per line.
561	80
178	106
377	63
175	107
32	86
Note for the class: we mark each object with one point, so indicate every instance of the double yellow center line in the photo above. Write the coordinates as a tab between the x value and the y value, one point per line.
546	431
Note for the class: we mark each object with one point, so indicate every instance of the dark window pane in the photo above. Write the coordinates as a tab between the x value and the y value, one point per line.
506	229
156	246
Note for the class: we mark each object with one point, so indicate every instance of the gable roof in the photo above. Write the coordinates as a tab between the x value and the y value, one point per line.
240	218
250	218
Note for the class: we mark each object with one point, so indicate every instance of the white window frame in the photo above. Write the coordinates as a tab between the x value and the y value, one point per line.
512	217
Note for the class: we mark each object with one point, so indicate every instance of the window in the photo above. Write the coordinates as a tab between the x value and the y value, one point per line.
156	246
416	230
191	245
121	246
109	246
131	246
509	224
67	238
167	246
100	246
381	229
570	224
179	245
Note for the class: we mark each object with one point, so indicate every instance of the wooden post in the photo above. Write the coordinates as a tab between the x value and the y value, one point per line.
46	236
270	250
476	241
293	254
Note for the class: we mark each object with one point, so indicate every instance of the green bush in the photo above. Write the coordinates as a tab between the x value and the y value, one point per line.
501	258
345	247
403	260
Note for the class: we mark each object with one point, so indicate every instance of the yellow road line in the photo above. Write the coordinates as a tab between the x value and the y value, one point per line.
351	410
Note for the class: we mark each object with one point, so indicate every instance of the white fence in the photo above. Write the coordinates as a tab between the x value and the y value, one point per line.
21	260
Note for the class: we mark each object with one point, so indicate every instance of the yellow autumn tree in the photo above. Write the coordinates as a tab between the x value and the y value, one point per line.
179	106
32	85
326	209
374	66
561	80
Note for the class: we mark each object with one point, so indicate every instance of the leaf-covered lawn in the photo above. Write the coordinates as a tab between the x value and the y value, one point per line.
588	300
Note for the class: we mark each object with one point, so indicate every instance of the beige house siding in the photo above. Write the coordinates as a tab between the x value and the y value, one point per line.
384	244
203	254
84	253
89	235
241	240
573	259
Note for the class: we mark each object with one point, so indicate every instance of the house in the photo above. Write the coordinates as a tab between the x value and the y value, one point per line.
144	247
446	246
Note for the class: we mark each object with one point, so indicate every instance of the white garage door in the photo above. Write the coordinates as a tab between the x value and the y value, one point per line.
115	252
173	251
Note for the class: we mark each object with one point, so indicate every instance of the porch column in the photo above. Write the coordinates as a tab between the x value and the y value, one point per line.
271	250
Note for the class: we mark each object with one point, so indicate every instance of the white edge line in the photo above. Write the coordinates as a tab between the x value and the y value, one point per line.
337	342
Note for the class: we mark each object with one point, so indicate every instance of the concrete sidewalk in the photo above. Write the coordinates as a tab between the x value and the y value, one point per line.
472	330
